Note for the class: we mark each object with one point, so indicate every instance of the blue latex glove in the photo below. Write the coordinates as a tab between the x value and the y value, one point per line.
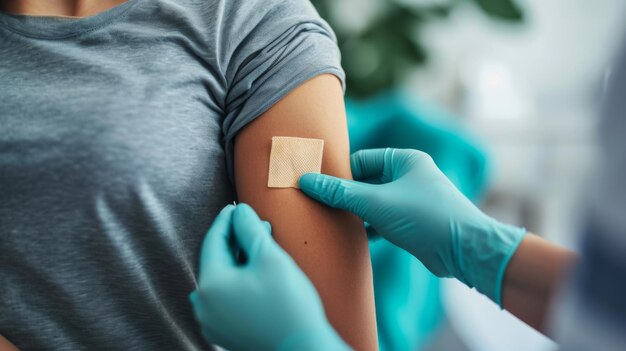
265	304
408	201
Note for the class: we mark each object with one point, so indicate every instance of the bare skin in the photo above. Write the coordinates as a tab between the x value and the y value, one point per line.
60	8
5	345
532	278
329	245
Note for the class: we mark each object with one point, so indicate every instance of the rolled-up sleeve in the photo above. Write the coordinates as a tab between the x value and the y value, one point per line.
271	47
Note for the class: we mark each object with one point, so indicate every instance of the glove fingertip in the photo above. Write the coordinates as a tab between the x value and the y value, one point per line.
268	226
307	182
194	297
372	234
243	207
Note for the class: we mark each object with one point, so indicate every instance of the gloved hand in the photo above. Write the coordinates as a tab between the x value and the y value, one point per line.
409	202
265	304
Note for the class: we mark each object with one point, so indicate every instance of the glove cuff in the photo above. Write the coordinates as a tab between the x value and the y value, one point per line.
486	252
325	338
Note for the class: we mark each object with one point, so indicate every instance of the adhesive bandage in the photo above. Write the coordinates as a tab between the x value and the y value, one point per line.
292	157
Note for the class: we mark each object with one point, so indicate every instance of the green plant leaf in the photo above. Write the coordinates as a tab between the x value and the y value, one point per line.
378	57
502	9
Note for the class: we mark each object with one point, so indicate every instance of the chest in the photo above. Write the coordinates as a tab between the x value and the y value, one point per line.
107	114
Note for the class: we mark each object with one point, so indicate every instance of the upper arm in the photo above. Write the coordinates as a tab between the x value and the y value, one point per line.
329	245
5	345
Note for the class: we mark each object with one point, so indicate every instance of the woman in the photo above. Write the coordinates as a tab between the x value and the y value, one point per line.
126	126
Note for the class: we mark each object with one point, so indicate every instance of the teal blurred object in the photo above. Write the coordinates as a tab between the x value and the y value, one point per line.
399	120
408	301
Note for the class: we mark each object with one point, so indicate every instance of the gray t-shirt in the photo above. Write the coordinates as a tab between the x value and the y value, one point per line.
116	137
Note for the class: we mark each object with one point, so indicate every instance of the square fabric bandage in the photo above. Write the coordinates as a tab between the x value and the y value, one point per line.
292	157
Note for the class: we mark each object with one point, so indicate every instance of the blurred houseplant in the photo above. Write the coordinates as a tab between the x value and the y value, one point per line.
378	53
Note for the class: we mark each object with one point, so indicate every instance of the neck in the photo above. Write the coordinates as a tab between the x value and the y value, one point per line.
65	8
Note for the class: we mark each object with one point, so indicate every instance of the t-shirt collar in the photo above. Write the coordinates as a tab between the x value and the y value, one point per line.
49	27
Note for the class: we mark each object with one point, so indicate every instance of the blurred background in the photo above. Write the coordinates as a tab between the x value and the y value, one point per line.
505	95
